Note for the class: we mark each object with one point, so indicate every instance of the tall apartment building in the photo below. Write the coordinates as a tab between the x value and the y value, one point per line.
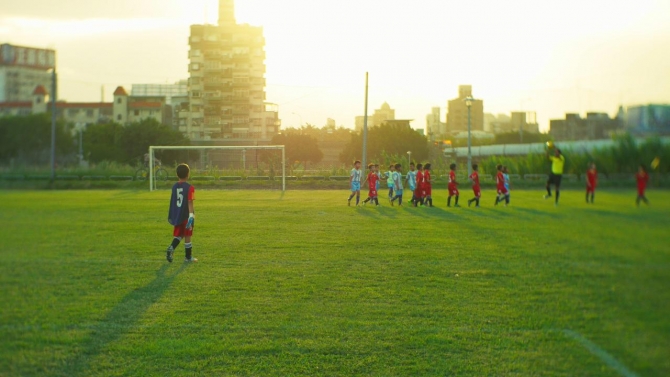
434	126
22	69
227	84
457	115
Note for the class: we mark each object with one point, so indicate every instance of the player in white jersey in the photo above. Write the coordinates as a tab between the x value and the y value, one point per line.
411	180
397	184
355	182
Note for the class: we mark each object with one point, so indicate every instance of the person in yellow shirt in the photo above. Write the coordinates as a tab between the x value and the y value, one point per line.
557	163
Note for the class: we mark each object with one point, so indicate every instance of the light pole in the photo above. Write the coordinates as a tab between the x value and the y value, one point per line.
300	125
468	103
409	158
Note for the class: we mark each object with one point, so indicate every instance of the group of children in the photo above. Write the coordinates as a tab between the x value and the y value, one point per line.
418	180
420	183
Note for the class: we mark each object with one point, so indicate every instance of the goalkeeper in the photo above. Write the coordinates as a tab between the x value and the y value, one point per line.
181	214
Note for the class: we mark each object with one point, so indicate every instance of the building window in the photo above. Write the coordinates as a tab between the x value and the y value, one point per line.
89	113
38	100
118	117
137	112
118	100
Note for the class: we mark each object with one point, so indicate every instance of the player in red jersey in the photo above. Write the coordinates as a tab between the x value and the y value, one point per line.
500	186
453	186
591	182
474	177
642	178
181	214
372	178
418	191
428	186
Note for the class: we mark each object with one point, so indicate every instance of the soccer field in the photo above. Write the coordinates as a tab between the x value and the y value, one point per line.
301	284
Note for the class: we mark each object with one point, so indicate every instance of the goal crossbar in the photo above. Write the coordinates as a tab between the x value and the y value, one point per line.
235	147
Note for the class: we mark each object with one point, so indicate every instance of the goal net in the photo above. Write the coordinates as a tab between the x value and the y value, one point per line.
220	162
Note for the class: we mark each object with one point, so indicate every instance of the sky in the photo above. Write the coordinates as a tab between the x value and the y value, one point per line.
552	57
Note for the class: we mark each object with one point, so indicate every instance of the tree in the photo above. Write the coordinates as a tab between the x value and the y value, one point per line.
113	142
300	148
28	138
387	140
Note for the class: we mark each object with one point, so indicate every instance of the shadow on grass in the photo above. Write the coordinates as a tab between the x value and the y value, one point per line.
119	321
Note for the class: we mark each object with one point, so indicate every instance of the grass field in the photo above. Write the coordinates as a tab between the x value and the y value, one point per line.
301	284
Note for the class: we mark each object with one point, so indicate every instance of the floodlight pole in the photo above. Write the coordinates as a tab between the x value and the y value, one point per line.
53	124
365	125
468	103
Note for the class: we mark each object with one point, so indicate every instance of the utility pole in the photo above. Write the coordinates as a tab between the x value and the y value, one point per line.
365	125
53	125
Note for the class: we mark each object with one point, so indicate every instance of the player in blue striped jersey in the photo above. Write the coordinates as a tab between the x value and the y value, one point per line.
355	182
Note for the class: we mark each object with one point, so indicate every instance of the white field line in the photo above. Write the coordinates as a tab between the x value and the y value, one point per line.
608	359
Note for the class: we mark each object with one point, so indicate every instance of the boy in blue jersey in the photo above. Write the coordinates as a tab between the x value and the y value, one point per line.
355	182
181	215
411	180
397	184
507	186
389	180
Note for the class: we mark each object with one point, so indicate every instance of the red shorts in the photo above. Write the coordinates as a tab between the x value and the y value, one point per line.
372	193
181	231
502	191
477	191
427	191
590	190
453	191
640	190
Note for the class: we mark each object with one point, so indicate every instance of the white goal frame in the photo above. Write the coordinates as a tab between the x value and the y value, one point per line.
152	148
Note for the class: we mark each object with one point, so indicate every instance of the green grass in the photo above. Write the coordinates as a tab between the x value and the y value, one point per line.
301	284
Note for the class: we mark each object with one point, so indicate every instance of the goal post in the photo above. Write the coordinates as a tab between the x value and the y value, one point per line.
153	148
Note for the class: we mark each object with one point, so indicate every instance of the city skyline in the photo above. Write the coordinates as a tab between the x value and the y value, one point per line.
572	57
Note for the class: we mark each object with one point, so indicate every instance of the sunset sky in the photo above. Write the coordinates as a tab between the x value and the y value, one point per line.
551	57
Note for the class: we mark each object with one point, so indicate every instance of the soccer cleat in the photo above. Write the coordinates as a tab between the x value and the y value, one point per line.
192	259
169	253
457	205
477	206
469	202
547	196
349	202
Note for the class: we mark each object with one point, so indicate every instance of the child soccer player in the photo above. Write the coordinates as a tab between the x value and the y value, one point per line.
453	186
591	182
642	178
372	180
389	180
507	185
474	177
355	182
428	186
379	178
500	185
420	184
397	184
181	215
411	180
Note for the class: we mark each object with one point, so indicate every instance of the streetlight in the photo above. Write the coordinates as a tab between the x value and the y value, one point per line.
300	125
409	158
468	103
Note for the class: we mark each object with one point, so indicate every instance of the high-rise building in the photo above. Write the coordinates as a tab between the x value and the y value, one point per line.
22	69
227	84
457	112
434	126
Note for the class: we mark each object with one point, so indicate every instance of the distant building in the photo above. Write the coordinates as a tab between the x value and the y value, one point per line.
175	96
384	113
124	110
648	119
227	83
435	127
457	112
515	122
330	123
594	127
22	69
